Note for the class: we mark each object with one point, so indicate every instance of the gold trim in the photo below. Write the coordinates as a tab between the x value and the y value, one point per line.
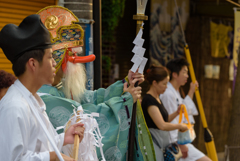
59	85
59	30
78	43
56	6
70	53
65	46
51	22
60	62
62	27
140	17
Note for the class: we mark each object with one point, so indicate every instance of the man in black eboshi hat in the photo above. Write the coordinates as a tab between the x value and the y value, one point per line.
26	133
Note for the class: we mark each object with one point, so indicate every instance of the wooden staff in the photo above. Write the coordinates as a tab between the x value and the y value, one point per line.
76	147
139	18
76	144
233	3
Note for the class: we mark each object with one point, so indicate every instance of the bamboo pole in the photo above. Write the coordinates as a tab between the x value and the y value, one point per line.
76	145
208	137
139	18
237	4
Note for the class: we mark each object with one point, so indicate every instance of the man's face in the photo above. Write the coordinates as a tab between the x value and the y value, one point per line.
182	76
47	69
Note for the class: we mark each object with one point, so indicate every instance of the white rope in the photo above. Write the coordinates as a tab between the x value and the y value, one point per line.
92	136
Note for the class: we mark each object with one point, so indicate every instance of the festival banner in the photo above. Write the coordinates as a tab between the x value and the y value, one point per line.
236	43
166	41
220	39
236	36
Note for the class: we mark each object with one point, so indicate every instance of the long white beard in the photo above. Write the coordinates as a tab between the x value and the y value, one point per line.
75	81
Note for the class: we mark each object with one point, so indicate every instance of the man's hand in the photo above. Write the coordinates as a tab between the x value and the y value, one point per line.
134	91
193	86
184	150
81	131
66	158
71	131
132	76
192	89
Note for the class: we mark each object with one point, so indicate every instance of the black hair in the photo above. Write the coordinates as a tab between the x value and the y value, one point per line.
176	65
19	67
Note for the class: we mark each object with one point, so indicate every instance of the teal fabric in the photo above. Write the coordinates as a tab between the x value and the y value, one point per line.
110	103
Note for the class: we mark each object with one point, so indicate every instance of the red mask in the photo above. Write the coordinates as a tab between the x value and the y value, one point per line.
73	58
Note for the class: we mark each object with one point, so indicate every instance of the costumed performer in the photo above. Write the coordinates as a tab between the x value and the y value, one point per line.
26	132
114	104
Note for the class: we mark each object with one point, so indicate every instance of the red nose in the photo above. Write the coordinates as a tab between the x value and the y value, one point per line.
76	59
81	59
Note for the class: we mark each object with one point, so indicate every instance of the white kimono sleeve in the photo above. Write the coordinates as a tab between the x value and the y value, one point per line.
169	102
191	108
16	139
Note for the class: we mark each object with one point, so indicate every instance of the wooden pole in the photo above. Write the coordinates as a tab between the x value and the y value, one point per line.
208	137
233	3
140	19
76	145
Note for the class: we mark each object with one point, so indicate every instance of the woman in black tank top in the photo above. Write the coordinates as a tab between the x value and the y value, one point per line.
156	116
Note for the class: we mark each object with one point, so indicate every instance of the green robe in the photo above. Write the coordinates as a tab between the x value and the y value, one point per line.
115	111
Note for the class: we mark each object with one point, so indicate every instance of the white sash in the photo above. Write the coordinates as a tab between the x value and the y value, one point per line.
92	136
40	121
178	97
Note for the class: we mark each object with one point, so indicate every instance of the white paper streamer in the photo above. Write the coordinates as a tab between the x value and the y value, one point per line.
138	41
139	51
92	136
142	65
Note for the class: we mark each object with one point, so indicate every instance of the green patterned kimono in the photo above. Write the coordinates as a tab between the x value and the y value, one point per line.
115	110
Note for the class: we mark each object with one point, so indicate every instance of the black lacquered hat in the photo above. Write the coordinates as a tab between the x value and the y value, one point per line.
31	34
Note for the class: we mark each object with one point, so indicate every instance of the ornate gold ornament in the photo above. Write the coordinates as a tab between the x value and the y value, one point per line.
66	46
51	22
78	43
60	29
70	53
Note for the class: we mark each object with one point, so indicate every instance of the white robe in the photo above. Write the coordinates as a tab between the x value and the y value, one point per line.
171	99
21	136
